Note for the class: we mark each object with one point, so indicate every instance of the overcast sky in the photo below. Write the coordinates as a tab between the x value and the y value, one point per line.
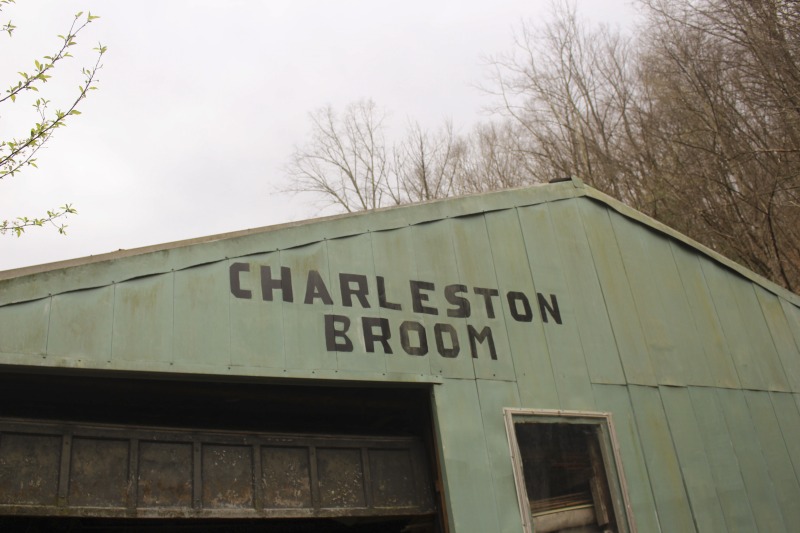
201	103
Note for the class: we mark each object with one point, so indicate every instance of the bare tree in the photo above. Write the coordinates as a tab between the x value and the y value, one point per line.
346	161
493	158
693	119
728	107
428	164
350	164
569	90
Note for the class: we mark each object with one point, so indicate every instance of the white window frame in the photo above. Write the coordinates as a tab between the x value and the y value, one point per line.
609	448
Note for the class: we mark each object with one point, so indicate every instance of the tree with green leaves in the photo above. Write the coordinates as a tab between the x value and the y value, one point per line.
19	152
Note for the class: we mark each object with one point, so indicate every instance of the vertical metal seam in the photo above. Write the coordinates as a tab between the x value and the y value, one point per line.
64	471
133	474
258	488
367	476
197	474
315	496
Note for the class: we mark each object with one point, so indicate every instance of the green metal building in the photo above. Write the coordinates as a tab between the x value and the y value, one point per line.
543	359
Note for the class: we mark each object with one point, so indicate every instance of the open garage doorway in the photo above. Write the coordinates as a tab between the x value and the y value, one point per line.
94	453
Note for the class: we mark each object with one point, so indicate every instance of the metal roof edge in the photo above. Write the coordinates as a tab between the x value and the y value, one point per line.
720	259
39	281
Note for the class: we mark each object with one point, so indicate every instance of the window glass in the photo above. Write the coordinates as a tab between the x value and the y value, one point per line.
567	471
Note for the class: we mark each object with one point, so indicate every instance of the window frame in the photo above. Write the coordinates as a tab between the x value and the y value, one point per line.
609	448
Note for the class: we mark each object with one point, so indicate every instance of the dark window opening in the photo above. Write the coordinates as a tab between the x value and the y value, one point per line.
566	474
166	455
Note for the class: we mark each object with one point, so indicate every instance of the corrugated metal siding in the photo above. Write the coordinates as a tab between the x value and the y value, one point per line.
699	365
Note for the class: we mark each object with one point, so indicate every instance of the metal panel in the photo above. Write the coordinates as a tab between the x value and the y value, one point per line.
774	448
202	317
661	305
619	301
80	325
751	463
143	320
742	322
563	340
23	327
781	331
465	461
615	400
476	270
353	256
98	472
436	263
597	337
493	397
694	464
304	324
722	460
257	327
227	476
793	318
29	467
393	480
711	337
286	477
788	415
674	511
527	342
165	474
763	353
393	257
341	478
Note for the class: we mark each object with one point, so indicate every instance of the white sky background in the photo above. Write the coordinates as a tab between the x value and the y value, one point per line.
201	103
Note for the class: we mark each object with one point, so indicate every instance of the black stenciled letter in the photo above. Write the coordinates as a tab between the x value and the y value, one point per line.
475	338
382	296
418	297
487	299
405	342
315	288
236	287
552	307
527	314
336	340
463	309
439	330
284	283
347	291
369	324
